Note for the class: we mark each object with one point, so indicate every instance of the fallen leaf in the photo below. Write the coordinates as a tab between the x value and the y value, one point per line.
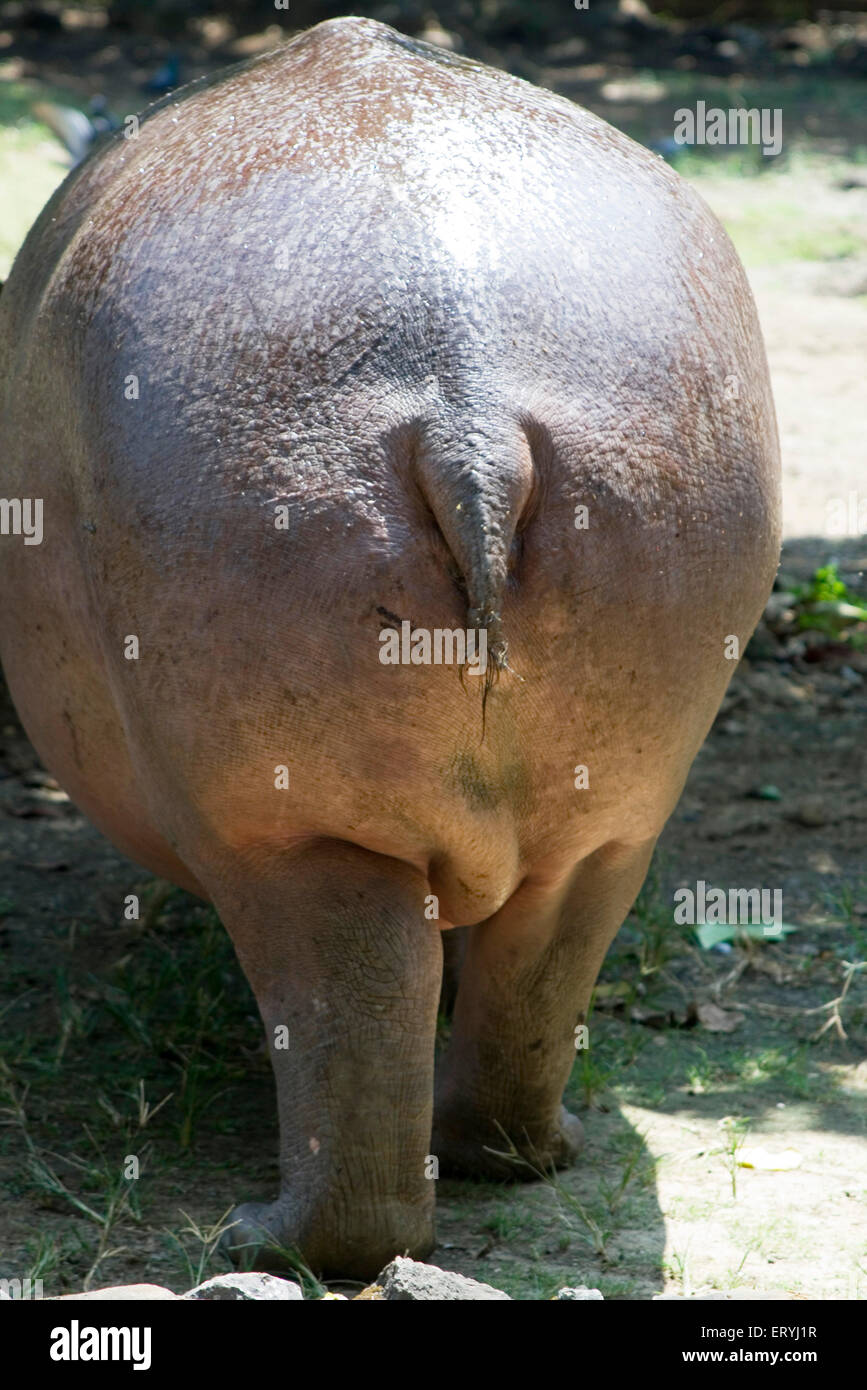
614	991
717	1020
767	793
710	934
612	996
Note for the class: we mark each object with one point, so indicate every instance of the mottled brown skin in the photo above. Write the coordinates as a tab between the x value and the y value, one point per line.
431	310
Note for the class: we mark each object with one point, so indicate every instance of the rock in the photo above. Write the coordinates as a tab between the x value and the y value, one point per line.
717	1020
580	1293
732	727
811	812
779	689
636	9
566	51
434	32
120	1293
781	607
420	1283
637	89
240	1288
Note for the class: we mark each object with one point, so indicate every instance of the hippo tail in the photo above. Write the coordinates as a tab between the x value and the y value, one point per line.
479	486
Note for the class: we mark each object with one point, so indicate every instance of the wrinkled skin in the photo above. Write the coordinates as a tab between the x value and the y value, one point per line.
430	310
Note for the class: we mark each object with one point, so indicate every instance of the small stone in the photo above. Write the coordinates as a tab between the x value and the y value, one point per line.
781	606
433	32
412	1281
580	1293
567	51
777	688
811	812
732	727
240	1288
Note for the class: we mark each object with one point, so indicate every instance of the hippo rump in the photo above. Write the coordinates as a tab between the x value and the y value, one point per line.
409	484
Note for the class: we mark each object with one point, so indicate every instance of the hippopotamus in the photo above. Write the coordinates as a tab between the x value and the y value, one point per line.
360	344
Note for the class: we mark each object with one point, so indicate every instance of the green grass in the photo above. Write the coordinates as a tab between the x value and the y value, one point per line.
152	1049
31	165
781	231
104	1096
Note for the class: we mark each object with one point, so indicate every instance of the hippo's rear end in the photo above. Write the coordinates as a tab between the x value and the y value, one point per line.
410	482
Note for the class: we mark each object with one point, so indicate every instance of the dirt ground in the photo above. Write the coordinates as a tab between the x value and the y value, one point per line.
105	1020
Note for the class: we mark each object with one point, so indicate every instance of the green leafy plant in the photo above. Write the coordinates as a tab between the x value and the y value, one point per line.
826	605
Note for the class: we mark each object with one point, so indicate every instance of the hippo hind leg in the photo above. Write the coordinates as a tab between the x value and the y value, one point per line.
526	980
346	971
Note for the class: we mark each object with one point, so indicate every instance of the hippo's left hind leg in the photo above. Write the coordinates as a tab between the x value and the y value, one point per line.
525	984
346	971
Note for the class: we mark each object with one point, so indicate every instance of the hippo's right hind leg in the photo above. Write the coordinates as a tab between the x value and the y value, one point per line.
525	984
346	971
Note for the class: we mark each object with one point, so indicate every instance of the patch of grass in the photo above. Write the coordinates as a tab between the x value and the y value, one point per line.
507	1222
734	1128
847	903
790	1068
197	1247
637	1167
31	165
777	230
774	1237
521	1281
43	1256
703	1072
825	604
589	1225
612	1051
148	1044
659	938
